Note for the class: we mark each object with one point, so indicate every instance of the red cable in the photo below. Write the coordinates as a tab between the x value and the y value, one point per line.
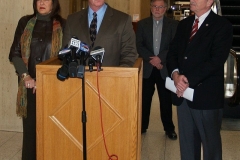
104	140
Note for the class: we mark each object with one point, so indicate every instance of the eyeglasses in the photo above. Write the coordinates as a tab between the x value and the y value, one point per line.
43	1
157	7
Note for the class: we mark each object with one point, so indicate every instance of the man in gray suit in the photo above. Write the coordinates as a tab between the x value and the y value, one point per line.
114	32
153	37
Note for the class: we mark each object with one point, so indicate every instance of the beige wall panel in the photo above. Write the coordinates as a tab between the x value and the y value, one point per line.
132	7
145	8
10	11
64	4
122	5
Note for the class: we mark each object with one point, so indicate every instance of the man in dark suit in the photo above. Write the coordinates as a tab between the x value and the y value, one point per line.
198	63
114	32
153	37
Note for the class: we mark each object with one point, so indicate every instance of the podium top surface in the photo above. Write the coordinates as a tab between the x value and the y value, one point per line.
56	62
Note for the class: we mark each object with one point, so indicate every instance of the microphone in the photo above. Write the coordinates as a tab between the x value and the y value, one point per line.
83	53
84	47
70	56
64	51
74	45
63	72
97	54
79	49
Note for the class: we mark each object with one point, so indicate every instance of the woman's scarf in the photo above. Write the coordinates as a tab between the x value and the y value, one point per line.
25	52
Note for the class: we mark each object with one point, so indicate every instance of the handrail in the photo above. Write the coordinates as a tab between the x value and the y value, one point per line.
218	6
235	99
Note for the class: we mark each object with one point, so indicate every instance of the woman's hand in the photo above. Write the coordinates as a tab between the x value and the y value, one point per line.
30	83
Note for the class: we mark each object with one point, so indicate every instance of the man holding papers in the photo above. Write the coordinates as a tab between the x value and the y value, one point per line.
196	60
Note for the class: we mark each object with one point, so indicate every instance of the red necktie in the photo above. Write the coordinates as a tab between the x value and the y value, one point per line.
194	29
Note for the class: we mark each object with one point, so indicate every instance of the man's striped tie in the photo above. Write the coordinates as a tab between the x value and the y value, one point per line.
194	29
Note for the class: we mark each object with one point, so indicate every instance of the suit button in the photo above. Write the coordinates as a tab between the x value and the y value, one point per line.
185	57
38	59
40	40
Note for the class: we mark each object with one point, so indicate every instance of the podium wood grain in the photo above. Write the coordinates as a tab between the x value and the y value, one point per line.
59	109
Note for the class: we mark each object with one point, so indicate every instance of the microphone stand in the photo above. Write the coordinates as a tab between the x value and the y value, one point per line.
84	120
81	70
81	74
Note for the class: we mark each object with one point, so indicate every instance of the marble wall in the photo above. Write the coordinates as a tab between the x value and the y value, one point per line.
10	12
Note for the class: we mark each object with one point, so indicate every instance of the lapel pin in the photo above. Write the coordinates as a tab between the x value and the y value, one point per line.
206	24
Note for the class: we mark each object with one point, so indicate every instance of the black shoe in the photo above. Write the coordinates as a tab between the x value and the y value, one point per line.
143	131
171	134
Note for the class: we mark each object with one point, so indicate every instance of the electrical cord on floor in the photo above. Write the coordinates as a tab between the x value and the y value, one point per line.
113	156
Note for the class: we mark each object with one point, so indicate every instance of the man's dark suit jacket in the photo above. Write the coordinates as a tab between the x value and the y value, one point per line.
115	35
144	36
202	60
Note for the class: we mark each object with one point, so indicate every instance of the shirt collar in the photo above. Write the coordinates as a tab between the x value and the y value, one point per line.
100	12
203	17
156	22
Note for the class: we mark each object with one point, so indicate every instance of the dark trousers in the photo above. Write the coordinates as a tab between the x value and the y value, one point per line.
29	128
199	128
164	95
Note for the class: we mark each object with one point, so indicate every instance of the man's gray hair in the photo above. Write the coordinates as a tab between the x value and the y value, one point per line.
165	2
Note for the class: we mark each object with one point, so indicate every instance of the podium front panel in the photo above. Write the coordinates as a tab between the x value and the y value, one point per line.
59	114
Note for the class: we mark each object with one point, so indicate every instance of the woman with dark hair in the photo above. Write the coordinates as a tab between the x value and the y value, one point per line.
37	38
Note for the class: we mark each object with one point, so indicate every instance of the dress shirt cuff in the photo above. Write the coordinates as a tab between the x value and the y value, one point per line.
174	71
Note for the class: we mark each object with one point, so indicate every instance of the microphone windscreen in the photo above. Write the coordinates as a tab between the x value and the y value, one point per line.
62	73
72	69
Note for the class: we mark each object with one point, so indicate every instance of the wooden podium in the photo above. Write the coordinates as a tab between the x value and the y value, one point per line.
59	109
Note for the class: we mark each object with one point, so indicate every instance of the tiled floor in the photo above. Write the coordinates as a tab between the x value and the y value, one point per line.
155	145
10	145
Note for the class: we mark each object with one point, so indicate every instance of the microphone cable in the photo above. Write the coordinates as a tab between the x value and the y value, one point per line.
113	156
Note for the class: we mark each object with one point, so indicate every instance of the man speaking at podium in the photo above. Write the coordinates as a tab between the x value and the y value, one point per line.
101	25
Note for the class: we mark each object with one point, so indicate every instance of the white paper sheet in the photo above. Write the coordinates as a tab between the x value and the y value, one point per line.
188	93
